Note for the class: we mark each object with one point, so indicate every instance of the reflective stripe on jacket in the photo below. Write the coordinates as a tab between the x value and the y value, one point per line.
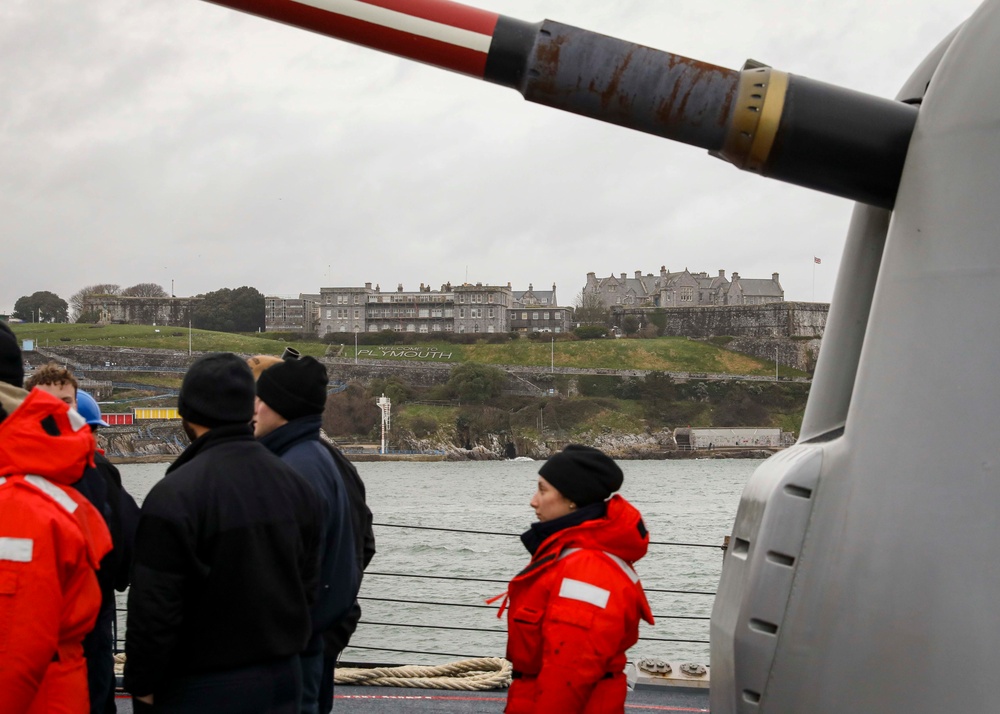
574	611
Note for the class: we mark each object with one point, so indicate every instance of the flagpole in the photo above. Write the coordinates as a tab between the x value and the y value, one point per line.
814	280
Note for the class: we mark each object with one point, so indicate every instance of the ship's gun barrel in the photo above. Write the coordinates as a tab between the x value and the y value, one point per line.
779	125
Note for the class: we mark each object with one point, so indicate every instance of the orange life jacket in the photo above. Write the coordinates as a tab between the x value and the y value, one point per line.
51	542
573	612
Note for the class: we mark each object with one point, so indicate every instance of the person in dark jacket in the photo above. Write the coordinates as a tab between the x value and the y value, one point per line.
122	518
291	396
339	635
225	564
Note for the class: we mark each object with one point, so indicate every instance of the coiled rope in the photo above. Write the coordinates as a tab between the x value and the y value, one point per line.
471	675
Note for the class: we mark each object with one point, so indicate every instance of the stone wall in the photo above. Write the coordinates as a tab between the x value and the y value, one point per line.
782	319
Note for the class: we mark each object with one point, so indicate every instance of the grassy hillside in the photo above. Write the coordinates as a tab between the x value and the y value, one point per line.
669	354
153	337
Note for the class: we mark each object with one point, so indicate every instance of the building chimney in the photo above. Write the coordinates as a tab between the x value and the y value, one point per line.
399	288
623	277
722	273
774	277
736	276
368	286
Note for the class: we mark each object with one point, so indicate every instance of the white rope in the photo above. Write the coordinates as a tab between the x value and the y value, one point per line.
469	675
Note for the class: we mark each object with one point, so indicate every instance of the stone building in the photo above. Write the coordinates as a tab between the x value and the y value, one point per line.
460	308
539	311
283	314
682	289
118	309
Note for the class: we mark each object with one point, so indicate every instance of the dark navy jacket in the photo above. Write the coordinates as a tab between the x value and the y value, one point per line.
299	446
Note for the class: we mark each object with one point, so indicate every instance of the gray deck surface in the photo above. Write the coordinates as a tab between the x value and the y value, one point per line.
363	700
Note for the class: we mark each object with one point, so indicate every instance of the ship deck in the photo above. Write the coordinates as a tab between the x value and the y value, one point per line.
368	700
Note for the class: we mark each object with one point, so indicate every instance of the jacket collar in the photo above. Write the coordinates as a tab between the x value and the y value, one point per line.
43	436
621	532
540	531
214	437
294	432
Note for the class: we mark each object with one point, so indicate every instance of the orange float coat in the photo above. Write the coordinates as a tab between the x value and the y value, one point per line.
51	542
574	611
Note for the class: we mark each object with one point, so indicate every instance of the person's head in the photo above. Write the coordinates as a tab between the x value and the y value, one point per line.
290	389
217	391
11	364
575	477
56	380
89	409
258	363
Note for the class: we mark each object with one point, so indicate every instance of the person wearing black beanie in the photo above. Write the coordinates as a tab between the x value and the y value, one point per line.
288	414
294	387
575	609
11	364
228	522
217	389
583	474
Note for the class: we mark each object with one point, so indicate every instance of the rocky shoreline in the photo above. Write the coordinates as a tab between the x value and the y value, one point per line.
161	442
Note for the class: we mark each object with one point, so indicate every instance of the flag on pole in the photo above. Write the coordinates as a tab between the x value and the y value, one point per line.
817	260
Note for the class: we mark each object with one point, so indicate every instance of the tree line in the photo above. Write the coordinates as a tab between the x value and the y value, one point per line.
224	310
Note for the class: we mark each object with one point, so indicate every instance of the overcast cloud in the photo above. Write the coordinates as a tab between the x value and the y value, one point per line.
151	141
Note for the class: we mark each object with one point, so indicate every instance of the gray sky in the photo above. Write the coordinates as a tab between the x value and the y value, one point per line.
180	141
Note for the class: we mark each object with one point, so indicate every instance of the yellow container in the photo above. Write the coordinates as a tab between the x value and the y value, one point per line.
156	413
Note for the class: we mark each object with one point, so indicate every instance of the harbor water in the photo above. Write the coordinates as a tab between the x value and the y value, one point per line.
688	507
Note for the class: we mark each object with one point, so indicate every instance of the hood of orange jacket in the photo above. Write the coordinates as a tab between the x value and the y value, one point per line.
44	437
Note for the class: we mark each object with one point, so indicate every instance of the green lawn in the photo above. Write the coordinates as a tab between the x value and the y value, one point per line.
668	354
152	337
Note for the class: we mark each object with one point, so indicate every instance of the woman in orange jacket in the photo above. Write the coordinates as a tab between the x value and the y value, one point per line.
575	609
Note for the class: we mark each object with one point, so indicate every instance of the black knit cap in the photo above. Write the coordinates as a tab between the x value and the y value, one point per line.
11	366
217	390
294	388
582	474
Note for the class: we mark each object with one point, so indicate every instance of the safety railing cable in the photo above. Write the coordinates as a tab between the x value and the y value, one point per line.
518	535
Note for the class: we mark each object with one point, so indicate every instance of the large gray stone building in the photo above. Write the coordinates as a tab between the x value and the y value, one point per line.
460	308
287	314
118	309
682	289
539	311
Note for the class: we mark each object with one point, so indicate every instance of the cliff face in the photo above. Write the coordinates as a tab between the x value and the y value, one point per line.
163	439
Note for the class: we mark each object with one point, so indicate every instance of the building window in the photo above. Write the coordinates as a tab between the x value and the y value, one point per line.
687	294
524	316
492	313
343	328
545	316
490	328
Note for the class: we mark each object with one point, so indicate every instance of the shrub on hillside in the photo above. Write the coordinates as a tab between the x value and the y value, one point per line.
423	426
738	408
478	383
590	332
351	412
